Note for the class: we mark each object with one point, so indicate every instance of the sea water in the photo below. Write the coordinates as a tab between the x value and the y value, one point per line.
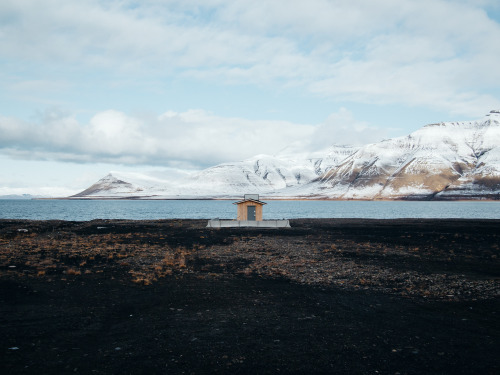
80	210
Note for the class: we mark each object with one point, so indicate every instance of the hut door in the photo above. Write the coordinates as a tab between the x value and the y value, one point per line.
251	213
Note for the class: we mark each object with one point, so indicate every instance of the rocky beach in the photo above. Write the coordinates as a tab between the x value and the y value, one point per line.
349	296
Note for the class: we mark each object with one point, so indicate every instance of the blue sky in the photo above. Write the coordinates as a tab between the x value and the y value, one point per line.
91	86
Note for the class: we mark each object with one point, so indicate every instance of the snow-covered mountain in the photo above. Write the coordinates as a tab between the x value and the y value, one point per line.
439	161
125	185
453	160
261	174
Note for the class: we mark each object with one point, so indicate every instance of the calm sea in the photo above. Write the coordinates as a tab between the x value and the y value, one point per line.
80	210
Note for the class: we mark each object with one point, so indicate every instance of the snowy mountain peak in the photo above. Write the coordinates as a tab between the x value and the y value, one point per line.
109	185
444	160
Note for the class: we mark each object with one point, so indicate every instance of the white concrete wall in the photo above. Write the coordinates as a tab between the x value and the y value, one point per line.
216	223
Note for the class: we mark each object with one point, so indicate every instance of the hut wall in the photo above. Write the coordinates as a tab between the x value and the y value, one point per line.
242	211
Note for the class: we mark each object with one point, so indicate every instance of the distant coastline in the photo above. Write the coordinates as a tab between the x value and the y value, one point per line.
482	198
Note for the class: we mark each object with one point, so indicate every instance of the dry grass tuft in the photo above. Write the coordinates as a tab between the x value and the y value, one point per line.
73	271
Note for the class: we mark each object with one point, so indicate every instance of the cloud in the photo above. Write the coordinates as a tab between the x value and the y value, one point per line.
342	128
191	139
432	54
436	54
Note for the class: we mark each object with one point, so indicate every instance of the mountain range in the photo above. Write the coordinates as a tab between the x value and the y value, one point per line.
442	161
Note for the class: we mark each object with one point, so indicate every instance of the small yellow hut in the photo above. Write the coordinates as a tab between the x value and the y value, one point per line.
250	208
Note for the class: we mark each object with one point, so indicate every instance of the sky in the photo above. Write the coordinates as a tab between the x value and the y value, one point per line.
176	86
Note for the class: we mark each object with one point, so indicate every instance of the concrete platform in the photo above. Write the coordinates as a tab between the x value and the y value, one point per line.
217	223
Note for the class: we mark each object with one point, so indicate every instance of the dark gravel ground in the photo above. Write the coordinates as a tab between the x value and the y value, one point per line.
343	296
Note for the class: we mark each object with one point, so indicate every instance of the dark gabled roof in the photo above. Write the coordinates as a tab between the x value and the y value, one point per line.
250	200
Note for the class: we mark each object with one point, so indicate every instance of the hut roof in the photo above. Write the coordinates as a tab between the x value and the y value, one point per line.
250	200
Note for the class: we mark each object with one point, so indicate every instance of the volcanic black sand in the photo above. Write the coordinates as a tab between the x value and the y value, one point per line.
325	296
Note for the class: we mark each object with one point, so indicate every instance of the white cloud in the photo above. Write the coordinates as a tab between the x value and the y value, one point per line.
191	139
342	128
435	54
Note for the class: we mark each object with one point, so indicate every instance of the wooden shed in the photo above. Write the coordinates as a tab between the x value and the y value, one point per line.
250	208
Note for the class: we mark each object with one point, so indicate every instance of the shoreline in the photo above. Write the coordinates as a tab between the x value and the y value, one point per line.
402	199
